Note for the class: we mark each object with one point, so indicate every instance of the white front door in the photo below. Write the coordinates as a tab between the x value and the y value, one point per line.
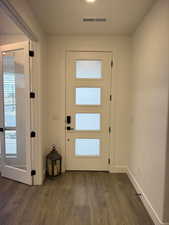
88	87
15	113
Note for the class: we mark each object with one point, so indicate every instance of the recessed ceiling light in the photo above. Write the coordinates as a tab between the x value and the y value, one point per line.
90	1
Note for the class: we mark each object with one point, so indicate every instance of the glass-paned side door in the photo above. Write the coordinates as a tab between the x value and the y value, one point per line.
15	125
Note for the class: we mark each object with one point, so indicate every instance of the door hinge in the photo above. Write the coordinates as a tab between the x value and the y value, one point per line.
31	53
110	97
112	63
33	134
32	94
1	129
109	130
109	161
33	172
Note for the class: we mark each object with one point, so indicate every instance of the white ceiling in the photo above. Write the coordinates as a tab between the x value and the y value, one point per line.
65	16
7	26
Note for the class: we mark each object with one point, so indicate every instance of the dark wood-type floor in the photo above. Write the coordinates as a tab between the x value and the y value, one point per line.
75	198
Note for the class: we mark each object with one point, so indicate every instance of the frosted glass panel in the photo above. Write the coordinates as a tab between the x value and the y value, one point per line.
15	107
10	142
88	69
87	147
87	121
88	96
9	91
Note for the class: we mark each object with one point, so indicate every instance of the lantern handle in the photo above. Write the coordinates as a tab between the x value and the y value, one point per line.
53	147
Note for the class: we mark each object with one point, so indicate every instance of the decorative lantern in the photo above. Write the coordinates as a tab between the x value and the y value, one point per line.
53	163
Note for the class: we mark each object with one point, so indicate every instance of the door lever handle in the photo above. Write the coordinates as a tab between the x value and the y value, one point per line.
69	128
1	129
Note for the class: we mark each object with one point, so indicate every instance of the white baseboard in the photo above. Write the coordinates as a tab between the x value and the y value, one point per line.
118	169
145	200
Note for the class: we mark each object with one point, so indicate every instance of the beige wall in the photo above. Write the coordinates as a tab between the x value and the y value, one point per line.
24	10
150	80
121	48
12	38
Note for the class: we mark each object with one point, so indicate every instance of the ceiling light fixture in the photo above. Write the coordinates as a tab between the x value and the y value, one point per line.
90	1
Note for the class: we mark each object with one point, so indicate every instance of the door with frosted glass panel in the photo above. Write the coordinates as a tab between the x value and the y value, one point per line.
88	80
15	113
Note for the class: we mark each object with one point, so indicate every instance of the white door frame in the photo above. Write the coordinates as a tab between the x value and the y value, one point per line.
37	154
111	118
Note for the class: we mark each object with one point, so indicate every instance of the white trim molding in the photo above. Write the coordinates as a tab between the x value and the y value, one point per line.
17	19
153	214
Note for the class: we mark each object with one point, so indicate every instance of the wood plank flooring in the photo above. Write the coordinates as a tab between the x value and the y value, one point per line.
75	198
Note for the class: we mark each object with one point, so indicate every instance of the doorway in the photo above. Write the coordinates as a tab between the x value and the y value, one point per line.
15	113
88	93
16	106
